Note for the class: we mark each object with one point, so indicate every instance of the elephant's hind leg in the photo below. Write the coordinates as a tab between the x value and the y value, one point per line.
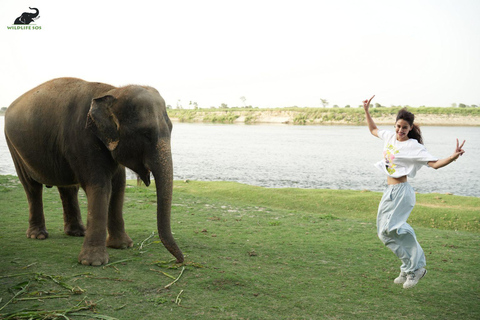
36	219
33	190
72	219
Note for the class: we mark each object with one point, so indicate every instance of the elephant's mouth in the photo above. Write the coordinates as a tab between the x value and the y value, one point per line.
146	178
144	174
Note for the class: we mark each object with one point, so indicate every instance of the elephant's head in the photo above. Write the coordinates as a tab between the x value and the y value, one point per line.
27	17
132	122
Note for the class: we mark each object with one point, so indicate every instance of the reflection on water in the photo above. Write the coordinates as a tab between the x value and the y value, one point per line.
333	157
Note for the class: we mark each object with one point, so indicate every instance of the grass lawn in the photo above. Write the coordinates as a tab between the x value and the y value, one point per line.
251	253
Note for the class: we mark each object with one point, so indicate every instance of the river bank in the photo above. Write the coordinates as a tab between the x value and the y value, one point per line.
326	116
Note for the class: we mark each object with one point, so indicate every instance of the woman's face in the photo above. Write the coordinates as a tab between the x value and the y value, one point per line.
402	128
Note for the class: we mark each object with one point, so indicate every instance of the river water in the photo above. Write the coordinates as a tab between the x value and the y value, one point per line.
324	157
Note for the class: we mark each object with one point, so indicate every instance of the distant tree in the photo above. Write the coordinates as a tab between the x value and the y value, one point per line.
243	100
377	105
179	104
193	104
473	106
336	106
454	105
347	106
223	106
324	102
461	105
169	106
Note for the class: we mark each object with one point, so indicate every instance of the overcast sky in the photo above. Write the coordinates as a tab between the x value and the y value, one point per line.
274	53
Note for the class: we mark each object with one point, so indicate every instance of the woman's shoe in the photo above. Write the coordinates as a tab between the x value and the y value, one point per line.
401	279
414	277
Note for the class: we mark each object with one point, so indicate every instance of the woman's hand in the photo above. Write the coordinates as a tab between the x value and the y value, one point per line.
366	103
458	151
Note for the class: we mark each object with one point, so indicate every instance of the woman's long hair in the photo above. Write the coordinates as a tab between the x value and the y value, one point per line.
415	133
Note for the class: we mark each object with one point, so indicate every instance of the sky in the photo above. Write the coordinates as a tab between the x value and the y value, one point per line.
273	53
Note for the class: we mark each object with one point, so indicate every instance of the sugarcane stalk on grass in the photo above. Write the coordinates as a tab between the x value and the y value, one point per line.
170	284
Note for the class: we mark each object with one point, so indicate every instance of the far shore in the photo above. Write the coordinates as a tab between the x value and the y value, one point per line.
291	117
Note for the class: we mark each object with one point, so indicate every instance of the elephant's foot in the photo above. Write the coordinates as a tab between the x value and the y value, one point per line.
74	230
39	233
93	256
122	241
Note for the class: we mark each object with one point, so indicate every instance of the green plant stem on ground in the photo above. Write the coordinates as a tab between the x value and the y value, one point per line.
251	253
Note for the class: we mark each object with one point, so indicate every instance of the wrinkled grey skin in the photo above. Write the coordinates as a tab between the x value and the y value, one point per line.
27	17
71	133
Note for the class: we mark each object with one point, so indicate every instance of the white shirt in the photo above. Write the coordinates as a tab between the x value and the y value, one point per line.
402	158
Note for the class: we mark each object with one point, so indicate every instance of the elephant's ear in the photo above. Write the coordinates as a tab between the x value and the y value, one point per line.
103	122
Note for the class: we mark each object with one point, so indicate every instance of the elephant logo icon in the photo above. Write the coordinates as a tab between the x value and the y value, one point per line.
27	17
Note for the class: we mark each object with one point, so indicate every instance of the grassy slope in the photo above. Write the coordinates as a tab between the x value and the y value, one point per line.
252	253
432	210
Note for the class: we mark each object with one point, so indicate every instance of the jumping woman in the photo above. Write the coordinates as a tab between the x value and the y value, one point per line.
403	155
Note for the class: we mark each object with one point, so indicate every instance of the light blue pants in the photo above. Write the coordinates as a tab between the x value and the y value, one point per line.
394	231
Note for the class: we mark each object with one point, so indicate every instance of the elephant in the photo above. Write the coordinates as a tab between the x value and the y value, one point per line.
27	17
71	133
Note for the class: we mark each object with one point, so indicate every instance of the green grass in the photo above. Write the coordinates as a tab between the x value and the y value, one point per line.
251	253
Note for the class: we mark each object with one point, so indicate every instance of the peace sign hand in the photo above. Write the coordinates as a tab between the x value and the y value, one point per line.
366	103
458	151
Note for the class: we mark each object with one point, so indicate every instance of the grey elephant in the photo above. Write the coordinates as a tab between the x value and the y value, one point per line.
71	133
27	17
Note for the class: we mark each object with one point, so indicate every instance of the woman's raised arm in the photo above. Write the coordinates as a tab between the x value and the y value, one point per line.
371	124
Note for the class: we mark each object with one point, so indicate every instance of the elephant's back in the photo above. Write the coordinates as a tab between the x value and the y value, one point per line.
53	103
52	111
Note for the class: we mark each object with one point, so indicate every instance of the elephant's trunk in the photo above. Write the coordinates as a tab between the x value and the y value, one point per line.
36	13
162	171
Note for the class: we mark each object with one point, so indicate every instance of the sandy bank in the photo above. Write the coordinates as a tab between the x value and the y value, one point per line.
291	117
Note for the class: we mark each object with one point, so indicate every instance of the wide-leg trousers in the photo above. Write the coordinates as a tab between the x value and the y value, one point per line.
396	205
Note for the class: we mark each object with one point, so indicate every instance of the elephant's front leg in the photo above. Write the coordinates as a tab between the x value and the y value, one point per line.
93	250
117	237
